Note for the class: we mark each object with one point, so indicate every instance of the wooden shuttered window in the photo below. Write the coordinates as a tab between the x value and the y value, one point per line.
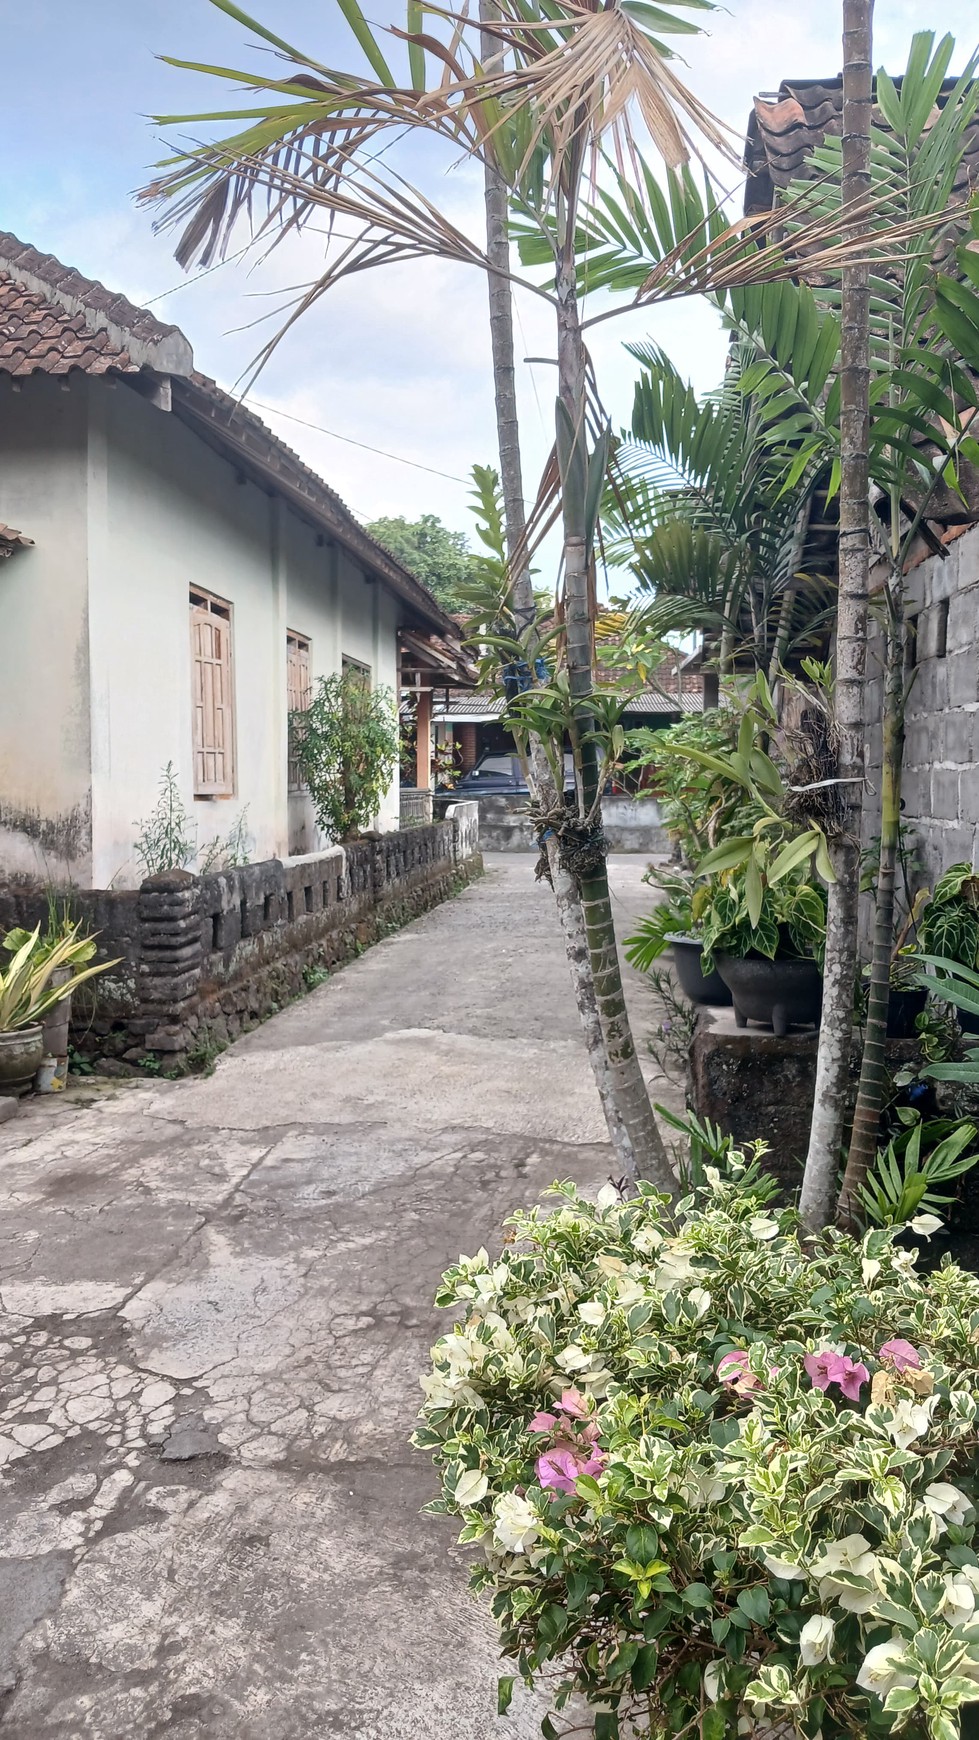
212	680
298	692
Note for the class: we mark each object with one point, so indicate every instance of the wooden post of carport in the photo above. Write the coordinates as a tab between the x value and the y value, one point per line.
423	739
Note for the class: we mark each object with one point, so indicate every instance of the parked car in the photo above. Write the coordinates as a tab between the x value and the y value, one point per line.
499	775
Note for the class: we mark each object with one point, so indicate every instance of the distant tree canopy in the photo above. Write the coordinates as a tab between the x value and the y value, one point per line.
441	560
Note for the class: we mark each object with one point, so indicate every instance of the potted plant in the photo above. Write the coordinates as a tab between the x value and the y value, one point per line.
766	940
675	924
27	994
61	928
949	926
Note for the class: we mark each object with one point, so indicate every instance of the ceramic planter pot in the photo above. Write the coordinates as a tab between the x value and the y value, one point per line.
906	1003
698	986
20	1055
778	994
57	1018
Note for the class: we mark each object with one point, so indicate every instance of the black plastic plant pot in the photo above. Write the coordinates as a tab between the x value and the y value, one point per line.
698	986
903	1008
778	994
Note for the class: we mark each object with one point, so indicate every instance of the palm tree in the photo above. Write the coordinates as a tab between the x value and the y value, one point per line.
818	1196
571	83
701	514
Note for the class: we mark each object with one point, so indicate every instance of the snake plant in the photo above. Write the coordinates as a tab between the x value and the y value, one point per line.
26	989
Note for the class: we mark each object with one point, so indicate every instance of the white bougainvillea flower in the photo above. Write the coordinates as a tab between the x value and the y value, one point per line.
471	1486
674	1267
516	1524
610	1265
926	1224
443	1391
573	1358
869	1270
816	1640
947	1504
783	1568
592	1312
958	1604
647	1240
628	1292
702	1488
854	1555
609	1197
762	1227
700	1299
884	1667
910	1420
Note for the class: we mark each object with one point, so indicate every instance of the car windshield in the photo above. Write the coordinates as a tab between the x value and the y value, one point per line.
495	764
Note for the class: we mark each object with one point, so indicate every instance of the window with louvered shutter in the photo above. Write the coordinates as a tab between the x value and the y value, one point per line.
213	696
298	693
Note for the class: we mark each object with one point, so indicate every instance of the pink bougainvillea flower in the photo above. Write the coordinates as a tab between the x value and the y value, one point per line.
836	1368
824	1368
733	1369
558	1470
542	1422
852	1378
902	1356
574	1403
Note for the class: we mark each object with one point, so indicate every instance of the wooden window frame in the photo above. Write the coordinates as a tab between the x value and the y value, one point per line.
302	643
358	665
208	603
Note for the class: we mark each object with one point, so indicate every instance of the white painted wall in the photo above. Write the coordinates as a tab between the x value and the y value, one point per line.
130	509
45	784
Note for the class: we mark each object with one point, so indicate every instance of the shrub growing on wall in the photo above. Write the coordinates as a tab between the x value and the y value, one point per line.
346	745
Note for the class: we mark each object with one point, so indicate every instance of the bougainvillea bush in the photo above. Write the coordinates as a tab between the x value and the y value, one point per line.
722	1484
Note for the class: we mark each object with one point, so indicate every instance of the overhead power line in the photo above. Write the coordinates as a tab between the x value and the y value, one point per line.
349	439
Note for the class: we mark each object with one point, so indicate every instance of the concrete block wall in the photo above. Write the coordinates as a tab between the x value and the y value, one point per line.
941	761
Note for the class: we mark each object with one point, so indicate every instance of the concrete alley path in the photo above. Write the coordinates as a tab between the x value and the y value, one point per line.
216	1302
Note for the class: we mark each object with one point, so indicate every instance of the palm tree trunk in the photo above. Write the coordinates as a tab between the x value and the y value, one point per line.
783	633
873	1069
647	1153
647	1157
817	1200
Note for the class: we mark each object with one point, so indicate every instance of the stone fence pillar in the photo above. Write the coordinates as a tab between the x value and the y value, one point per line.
170	957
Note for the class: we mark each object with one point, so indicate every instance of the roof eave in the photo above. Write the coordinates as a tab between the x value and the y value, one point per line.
273	469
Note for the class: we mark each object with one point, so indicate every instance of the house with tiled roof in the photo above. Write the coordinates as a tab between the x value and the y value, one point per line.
940	782
176	582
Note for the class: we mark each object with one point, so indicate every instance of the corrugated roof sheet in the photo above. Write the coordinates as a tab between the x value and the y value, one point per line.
478	709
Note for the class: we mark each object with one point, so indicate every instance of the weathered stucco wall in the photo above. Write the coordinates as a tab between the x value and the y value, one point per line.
631	825
941	763
130	509
45	780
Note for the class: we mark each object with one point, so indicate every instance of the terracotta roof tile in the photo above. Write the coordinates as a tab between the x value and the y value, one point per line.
53	321
36	335
787	126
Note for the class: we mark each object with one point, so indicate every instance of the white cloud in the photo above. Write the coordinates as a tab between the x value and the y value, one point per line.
397	359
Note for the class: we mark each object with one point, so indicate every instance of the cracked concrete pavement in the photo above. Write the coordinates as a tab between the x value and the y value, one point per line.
216	1301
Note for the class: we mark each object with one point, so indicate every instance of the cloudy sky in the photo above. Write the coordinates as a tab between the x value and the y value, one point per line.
395	360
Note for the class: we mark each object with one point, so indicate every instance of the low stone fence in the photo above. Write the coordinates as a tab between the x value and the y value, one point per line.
203	958
631	825
415	807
